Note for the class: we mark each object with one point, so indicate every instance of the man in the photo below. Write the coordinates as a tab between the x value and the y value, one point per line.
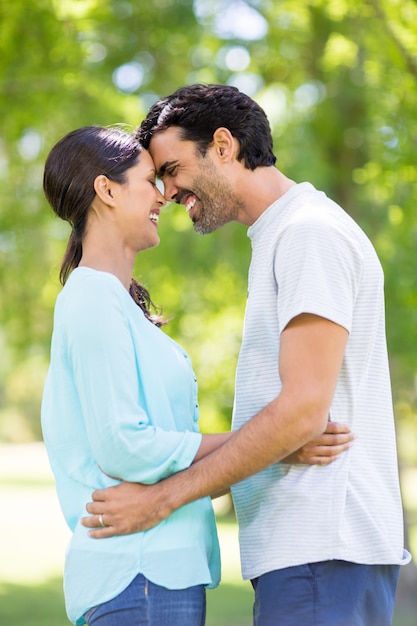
321	544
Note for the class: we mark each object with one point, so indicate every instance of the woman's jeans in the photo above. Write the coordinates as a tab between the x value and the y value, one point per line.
143	603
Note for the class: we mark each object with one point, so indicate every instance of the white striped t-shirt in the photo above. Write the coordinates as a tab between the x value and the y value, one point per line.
309	256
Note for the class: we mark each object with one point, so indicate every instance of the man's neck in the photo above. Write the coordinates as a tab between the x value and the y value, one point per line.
259	189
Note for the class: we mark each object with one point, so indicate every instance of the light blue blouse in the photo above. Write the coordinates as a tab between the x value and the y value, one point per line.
120	399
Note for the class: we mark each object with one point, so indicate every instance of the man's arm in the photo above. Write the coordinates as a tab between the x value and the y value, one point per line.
311	354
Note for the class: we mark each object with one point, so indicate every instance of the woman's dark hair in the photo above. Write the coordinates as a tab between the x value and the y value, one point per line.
71	168
198	110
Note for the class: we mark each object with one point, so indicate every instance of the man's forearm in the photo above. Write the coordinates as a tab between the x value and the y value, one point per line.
211	442
268	437
311	355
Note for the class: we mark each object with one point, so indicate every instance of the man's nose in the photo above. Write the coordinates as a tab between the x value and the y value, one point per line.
170	192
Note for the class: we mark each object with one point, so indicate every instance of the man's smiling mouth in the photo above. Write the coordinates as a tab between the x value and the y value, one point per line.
190	203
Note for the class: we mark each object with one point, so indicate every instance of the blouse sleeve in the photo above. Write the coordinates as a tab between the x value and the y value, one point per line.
124	442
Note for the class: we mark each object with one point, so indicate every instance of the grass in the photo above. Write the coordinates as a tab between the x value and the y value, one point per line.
35	604
33	537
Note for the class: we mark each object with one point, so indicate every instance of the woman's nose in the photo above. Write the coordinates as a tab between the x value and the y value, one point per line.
161	198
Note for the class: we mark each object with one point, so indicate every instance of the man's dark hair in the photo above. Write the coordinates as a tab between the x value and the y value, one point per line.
198	110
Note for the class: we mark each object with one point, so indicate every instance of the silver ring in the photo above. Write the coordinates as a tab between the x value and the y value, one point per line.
100	521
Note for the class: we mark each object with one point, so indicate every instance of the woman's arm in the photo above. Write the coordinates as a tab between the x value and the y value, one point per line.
127	437
336	439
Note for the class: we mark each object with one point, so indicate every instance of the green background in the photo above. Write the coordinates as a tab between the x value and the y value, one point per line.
338	81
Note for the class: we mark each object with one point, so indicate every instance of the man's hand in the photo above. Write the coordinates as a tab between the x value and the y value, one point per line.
124	509
336	439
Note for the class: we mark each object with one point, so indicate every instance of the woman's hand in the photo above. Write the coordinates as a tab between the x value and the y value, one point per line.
336	439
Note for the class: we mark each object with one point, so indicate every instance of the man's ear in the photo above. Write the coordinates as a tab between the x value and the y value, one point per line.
225	145
103	188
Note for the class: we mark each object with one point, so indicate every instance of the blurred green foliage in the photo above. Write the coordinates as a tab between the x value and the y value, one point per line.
338	82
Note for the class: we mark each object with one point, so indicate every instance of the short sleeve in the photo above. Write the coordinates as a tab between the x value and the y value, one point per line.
318	269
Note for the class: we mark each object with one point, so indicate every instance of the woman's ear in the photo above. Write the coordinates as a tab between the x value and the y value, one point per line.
103	188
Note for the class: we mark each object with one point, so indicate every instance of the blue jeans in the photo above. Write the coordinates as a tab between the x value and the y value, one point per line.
143	603
329	593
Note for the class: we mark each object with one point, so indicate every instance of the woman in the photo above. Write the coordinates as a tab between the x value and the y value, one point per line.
120	399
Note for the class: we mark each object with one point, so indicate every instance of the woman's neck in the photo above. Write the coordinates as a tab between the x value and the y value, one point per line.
105	257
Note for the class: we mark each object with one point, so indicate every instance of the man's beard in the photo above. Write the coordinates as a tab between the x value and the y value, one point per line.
218	205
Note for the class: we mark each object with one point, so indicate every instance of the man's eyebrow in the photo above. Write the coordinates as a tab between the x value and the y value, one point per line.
161	171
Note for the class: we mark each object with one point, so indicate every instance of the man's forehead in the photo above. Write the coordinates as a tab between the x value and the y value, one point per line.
164	141
169	136
166	147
